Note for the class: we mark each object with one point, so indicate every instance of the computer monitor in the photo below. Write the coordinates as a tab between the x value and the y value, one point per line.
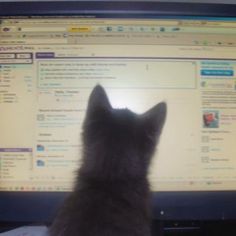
51	56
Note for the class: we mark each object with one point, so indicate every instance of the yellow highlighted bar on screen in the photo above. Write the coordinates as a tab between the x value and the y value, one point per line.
79	29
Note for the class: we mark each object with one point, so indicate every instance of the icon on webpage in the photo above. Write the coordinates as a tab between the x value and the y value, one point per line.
40	163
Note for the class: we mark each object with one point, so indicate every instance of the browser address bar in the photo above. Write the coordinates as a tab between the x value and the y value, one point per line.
43	29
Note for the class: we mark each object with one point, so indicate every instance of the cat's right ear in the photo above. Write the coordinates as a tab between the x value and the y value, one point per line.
154	119
98	101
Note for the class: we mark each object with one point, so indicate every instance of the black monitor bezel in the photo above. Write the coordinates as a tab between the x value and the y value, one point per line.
114	8
196	205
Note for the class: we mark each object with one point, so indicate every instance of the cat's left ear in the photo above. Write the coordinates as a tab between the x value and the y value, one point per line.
98	101
154	119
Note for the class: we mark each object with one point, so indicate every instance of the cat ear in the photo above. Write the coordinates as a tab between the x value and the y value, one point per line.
154	118
98	100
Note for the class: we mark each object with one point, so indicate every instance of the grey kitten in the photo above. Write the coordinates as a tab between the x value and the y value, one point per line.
111	196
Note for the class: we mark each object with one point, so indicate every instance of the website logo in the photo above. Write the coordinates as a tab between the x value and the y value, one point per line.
15	48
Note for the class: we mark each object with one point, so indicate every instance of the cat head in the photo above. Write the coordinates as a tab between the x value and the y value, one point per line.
120	139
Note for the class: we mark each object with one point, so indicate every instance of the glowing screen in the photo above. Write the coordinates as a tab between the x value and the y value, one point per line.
48	68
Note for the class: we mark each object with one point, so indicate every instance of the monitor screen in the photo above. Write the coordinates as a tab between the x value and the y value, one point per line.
50	64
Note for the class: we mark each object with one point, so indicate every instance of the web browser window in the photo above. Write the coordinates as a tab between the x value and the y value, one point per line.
48	67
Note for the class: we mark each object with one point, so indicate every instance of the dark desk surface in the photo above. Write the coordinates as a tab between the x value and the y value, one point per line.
194	228
169	228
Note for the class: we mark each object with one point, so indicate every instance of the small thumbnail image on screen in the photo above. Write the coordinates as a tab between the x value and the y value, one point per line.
211	119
